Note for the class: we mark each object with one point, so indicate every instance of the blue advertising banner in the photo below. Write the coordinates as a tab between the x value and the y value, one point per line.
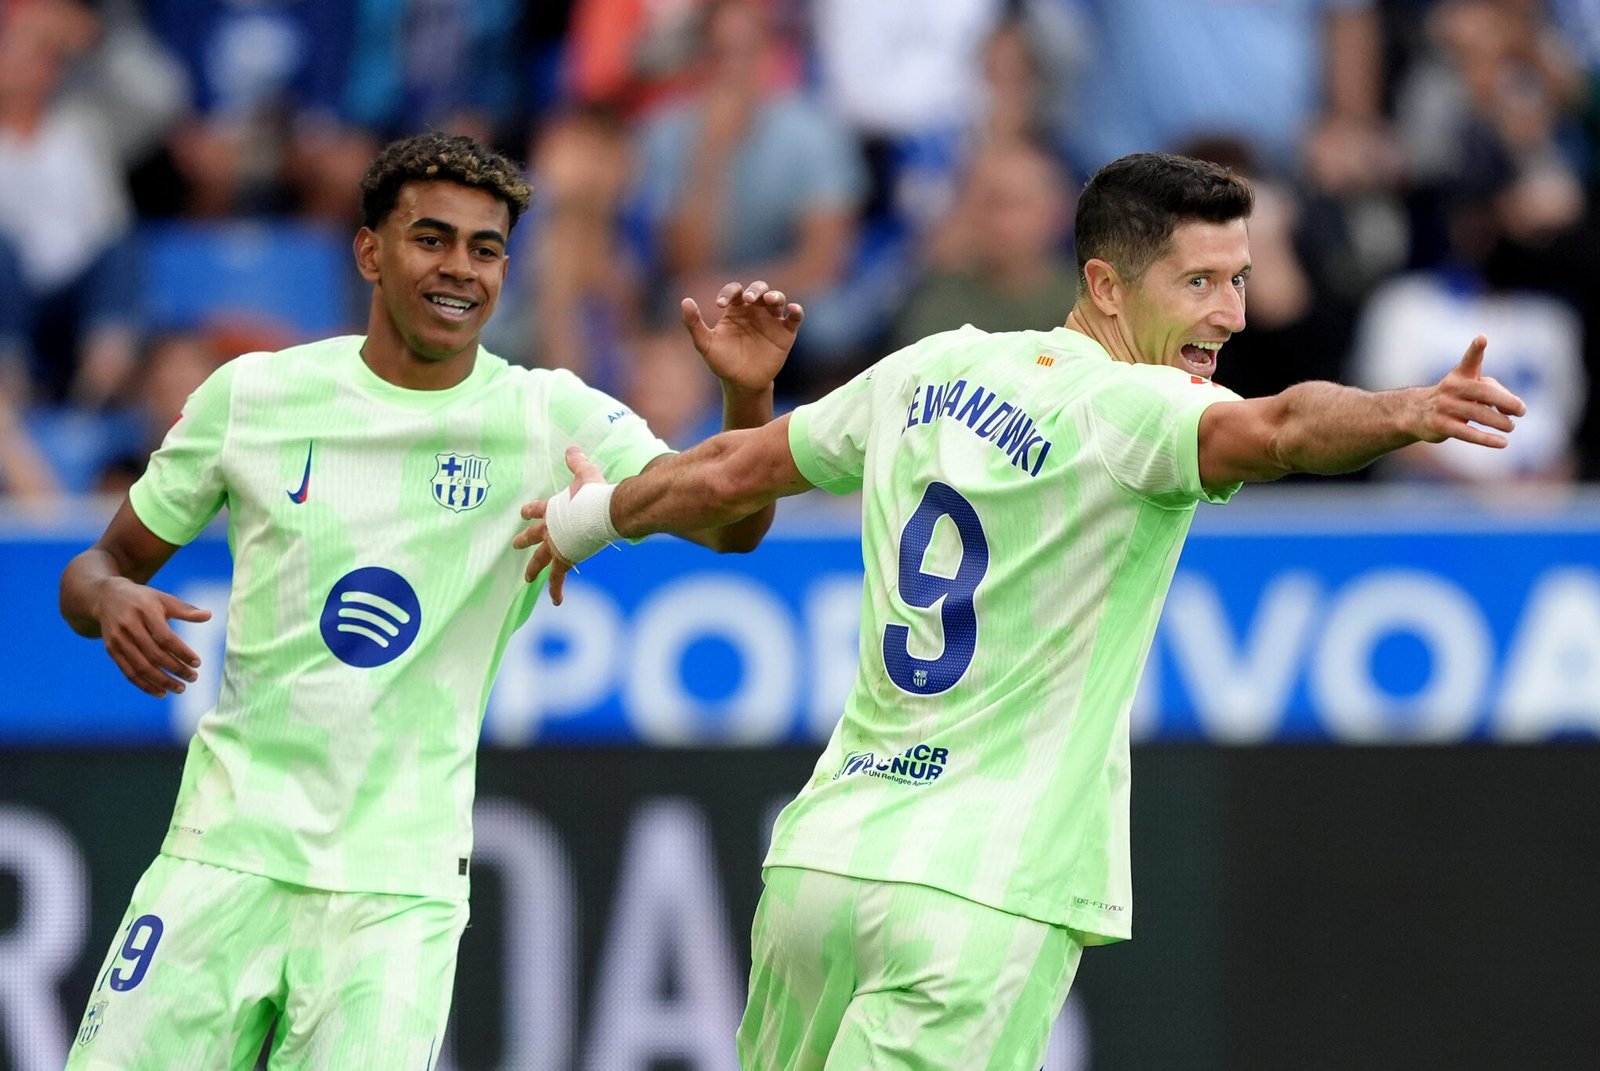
1344	616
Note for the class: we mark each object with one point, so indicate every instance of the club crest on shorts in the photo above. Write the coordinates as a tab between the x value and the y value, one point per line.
91	1022
461	481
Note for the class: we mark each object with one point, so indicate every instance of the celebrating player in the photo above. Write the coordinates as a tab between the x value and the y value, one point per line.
1025	498
315	874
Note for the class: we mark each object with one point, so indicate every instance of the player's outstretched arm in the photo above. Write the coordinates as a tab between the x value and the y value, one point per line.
745	351
105	593
727	477
1327	428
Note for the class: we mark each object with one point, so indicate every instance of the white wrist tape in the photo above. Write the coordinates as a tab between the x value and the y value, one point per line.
579	525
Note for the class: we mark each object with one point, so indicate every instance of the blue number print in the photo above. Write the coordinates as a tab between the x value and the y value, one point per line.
144	933
923	676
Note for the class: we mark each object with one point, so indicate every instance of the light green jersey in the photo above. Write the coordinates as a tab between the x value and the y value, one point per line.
374	590
1025	498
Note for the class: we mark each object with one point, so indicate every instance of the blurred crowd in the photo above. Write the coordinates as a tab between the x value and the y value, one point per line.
178	185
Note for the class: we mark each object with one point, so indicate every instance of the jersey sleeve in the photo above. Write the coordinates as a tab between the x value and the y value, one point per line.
1147	427
614	436
183	486
828	437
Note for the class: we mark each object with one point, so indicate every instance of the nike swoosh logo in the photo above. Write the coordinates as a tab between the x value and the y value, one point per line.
299	496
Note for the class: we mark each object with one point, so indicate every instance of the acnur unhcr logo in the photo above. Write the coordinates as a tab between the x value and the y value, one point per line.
918	764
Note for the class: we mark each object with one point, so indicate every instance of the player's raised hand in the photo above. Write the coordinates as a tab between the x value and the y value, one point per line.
133	623
752	337
537	534
1466	398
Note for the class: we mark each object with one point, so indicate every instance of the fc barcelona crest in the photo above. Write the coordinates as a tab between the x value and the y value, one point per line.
461	481
91	1022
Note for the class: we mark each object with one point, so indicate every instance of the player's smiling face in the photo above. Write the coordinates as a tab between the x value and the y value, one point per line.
1191	300
439	259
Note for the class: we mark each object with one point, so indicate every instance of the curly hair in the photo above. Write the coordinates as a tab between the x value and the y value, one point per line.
1130	207
435	157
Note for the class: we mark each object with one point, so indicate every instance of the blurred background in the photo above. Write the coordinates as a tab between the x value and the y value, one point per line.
1365	803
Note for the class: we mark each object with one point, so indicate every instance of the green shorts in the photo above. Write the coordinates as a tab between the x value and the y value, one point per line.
207	959
851	974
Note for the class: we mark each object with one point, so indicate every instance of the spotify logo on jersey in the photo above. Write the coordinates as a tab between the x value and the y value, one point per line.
371	617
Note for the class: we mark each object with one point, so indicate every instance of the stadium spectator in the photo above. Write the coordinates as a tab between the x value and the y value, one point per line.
1001	256
1576	25
1299	80
578	260
742	180
25	473
64	204
16	377
172	367
635	56
1538	347
374	587
926	86
435	65
1495	93
1025	498
266	132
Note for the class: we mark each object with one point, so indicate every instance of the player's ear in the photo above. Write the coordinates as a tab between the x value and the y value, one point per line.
1105	286
366	250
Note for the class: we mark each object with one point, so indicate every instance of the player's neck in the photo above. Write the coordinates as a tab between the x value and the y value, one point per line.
390	359
1089	321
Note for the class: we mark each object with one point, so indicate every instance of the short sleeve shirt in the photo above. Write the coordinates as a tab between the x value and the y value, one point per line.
1024	501
374	590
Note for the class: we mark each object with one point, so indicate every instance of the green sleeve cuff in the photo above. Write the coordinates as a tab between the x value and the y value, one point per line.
810	465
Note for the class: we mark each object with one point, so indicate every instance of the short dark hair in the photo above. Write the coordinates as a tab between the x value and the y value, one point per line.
436	157
1130	207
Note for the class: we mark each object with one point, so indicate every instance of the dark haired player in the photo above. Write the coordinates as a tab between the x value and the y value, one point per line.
1025	497
315	873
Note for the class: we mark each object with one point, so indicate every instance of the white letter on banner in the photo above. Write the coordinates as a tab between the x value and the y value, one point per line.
39	950
759	627
668	925
541	955
587	627
1552	677
1240	691
833	621
1436	611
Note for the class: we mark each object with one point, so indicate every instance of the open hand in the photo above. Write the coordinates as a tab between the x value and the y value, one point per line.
537	536
752	338
133	623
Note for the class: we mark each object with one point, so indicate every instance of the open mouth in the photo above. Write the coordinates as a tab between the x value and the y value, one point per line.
451	308
1200	358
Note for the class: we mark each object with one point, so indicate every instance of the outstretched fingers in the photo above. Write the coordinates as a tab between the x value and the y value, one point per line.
153	658
532	535
543	557
1471	364
1473	407
1495	394
1472	433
